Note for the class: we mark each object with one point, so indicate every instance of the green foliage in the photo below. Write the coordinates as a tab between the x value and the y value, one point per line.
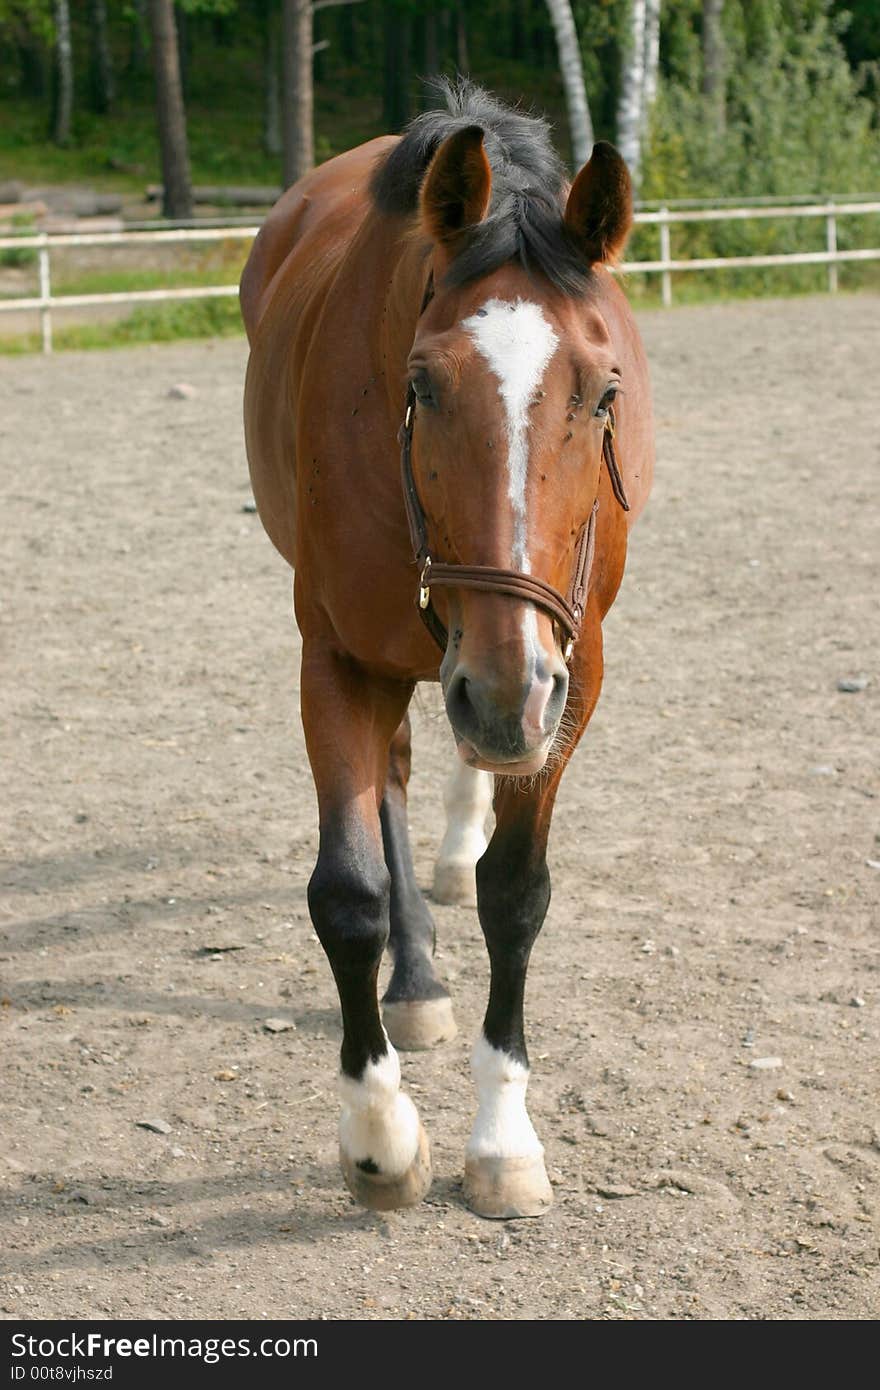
796	124
802	114
796	121
27	17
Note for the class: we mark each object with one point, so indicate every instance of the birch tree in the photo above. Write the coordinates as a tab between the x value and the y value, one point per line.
631	104
579	121
652	56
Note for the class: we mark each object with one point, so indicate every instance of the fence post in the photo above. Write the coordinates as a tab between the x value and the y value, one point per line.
831	246
45	295
665	255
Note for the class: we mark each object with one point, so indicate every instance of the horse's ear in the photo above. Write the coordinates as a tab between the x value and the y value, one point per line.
457	186
599	211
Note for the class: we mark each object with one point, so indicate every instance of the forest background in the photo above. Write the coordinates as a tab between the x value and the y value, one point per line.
707	99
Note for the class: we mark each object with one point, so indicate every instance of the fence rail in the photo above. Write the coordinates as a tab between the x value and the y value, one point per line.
662	218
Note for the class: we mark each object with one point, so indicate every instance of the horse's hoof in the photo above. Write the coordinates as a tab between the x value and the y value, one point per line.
414	1025
455	884
504	1188
381	1193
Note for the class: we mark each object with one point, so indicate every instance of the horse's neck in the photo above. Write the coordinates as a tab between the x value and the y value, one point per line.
403	302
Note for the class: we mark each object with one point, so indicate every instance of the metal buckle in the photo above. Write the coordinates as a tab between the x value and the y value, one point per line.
407	419
609	421
424	587
569	648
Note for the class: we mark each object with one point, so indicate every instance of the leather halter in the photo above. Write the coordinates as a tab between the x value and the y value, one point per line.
568	610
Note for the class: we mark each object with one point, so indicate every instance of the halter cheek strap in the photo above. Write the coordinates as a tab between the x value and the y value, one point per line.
567	610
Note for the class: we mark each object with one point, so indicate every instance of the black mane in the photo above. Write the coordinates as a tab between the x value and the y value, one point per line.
524	221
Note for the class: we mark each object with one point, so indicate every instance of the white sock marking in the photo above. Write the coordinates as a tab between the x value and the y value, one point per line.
517	342
378	1120
502	1128
466	800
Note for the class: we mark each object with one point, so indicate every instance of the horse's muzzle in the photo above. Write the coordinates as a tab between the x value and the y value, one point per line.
502	731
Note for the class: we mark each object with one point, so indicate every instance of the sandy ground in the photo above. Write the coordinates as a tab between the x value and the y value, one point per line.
715	859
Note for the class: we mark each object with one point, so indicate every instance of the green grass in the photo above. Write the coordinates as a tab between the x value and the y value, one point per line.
117	281
161	323
21	224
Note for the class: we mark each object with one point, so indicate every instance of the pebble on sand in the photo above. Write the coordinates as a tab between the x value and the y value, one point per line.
278	1025
182	391
765	1063
157	1126
852	685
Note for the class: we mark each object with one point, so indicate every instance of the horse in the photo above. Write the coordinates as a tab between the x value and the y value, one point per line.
448	427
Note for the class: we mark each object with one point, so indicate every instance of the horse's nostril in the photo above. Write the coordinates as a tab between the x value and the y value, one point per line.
462	714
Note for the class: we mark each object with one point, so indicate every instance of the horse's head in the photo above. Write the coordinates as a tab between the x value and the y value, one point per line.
514	374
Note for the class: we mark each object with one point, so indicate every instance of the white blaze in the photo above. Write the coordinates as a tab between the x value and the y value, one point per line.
517	342
502	1128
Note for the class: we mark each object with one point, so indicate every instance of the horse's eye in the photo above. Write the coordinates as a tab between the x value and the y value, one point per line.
606	402
421	385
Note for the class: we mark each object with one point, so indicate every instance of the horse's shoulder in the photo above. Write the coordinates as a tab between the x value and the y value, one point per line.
323	207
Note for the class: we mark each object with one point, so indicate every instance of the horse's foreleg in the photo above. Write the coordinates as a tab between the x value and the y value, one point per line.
466	800
504	1160
416	1008
349	720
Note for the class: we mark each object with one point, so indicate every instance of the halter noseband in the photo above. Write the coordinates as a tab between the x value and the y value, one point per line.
568	610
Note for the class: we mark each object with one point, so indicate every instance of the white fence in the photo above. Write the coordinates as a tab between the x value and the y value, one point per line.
664	218
44	242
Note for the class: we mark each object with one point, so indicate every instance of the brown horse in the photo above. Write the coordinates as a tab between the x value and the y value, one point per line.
439	358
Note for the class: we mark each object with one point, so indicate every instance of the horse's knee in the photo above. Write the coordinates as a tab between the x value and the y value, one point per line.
349	899
513	893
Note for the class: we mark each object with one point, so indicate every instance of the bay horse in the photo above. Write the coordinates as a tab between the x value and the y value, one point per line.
448	426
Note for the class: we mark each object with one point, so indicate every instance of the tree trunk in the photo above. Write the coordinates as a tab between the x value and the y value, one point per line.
297	96
102	81
181	22
632	91
137	54
177	202
63	113
397	30
462	61
430	54
652	55
713	84
579	121
271	87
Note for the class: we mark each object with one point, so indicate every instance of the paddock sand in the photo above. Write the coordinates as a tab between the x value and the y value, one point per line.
714	901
